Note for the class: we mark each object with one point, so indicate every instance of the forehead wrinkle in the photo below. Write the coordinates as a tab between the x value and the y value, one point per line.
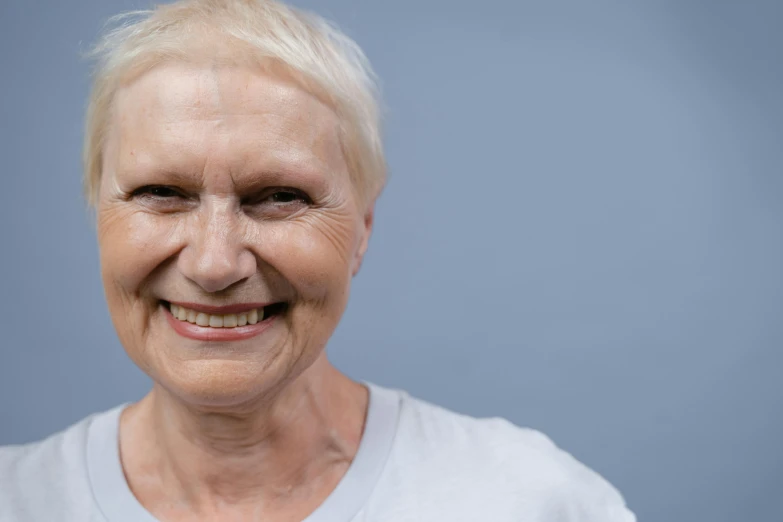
250	131
191	90
156	114
160	96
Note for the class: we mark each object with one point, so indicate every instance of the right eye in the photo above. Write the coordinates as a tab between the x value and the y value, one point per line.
162	198
157	192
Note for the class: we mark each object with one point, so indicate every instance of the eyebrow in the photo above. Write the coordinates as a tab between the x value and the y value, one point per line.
162	175
254	180
247	182
253	172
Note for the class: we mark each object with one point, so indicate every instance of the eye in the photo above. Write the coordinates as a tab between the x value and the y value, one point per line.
281	197
163	198
157	191
279	202
285	196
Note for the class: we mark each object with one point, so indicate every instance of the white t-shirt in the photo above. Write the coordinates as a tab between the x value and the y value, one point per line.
416	462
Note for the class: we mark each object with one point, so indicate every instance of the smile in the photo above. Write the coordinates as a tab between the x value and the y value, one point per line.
216	321
201	325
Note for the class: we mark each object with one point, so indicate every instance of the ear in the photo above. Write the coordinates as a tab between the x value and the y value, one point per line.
364	240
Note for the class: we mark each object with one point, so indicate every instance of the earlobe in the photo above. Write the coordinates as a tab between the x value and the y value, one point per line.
364	241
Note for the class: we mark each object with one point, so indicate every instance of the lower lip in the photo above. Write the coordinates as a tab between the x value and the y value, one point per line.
207	333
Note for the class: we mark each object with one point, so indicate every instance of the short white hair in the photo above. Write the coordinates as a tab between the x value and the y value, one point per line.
264	33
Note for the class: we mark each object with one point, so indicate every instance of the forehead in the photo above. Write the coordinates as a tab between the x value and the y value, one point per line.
230	114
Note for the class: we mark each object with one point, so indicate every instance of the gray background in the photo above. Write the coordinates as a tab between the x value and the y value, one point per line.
582	233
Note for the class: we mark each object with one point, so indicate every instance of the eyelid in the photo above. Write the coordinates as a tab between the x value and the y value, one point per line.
260	197
269	192
146	189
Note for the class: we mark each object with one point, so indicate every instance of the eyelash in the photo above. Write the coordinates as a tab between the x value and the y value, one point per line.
148	191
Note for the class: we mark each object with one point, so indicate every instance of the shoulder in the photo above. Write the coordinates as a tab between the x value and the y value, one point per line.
42	461
520	469
48	477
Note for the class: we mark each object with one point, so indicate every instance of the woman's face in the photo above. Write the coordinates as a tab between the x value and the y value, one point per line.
225	191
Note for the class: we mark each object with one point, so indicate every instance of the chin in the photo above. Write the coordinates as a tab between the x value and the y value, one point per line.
217	383
226	383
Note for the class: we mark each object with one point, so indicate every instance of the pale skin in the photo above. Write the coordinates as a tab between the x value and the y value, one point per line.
252	202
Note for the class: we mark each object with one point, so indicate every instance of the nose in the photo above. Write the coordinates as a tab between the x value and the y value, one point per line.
216	257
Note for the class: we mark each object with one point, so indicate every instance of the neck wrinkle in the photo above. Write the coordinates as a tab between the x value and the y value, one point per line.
290	447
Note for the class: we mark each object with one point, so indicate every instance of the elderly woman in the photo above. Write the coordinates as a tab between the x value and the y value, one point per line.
233	156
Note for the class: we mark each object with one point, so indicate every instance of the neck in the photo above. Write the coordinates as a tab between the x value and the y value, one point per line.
288	449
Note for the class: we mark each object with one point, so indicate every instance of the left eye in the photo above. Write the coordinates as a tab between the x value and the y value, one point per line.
283	197
286	196
279	202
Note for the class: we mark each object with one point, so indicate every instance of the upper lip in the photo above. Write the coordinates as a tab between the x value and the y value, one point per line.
220	310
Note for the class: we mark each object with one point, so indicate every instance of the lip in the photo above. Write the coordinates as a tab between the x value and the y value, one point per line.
221	310
206	333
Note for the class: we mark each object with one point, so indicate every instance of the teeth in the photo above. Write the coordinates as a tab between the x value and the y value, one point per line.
217	321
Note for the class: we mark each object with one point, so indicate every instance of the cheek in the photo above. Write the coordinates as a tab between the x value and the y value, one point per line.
314	255
132	244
